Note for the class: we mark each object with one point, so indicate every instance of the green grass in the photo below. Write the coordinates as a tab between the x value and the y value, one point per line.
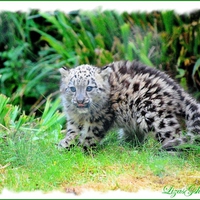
41	166
30	159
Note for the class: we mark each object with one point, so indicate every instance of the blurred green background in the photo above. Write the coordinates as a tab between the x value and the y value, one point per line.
34	44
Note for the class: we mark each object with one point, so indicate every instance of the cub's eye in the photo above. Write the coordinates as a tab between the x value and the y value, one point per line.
89	88
73	89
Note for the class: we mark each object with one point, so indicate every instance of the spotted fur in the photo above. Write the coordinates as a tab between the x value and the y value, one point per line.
134	97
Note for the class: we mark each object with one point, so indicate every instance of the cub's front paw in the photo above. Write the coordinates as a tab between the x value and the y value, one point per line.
63	144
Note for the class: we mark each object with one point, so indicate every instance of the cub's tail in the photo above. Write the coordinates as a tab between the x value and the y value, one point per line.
192	118
190	109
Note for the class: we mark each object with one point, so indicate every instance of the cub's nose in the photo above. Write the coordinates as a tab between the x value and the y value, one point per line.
80	99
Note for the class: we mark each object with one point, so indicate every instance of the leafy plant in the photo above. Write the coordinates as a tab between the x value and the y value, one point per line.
37	43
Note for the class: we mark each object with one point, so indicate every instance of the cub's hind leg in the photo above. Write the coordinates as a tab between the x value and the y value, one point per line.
133	137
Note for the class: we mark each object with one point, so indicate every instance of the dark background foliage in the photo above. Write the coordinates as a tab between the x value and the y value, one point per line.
34	45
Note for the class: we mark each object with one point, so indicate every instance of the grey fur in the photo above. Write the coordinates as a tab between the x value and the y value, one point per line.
137	98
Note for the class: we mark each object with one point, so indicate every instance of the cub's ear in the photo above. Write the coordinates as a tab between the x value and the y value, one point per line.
105	71
64	72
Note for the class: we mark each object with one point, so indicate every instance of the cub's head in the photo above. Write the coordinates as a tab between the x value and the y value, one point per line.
84	88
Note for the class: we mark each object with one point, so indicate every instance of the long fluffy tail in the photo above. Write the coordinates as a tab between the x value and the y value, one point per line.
192	117
191	111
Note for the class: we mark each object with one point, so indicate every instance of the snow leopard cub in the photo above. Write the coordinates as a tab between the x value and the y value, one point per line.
130	95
